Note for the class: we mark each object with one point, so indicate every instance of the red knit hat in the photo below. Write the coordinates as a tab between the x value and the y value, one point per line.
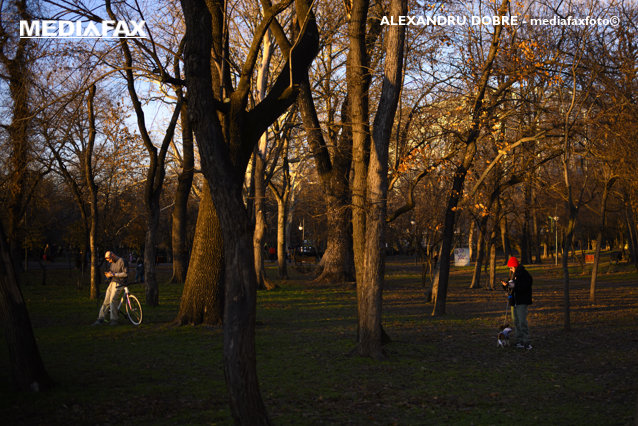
513	262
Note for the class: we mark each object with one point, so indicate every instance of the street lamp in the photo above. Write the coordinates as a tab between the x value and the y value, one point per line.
301	228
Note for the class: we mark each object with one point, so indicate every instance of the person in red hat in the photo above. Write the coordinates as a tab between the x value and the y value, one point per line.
520	288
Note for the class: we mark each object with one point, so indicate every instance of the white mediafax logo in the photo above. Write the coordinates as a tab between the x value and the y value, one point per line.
80	29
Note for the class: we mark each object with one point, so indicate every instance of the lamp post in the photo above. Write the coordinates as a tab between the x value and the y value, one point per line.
301	228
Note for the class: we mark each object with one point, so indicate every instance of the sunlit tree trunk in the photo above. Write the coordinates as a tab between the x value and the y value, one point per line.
180	211
202	300
259	172
337	263
370	290
358	78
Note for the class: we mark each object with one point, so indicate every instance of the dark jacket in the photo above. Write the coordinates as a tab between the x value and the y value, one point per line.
522	286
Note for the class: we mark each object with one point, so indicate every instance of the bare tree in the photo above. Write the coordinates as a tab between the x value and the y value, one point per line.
156	169
184	184
226	134
369	290
480	107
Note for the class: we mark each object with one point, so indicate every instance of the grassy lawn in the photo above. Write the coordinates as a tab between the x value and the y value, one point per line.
440	370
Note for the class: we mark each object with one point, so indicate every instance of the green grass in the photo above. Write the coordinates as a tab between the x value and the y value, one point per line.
444	370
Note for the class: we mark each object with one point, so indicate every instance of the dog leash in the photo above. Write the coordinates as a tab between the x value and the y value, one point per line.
507	310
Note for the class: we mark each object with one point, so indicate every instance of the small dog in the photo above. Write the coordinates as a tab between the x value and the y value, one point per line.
503	337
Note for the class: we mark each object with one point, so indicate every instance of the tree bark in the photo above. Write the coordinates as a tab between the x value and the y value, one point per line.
150	251
370	290
203	296
260	223
259	173
337	262
439	293
358	79
27	369
226	134
180	211
282	213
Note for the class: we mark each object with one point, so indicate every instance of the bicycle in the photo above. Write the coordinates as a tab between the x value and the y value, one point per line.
132	307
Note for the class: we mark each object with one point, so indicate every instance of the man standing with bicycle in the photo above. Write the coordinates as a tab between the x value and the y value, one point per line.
118	273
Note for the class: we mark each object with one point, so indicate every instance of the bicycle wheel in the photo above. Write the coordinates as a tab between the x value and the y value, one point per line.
134	310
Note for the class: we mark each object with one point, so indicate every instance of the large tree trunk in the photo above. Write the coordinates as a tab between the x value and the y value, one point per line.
226	137
259	173
370	290
337	264
27	369
180	211
358	78
203	296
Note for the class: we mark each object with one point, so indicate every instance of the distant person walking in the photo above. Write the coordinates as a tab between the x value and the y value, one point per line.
46	253
139	270
118	273
519	287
